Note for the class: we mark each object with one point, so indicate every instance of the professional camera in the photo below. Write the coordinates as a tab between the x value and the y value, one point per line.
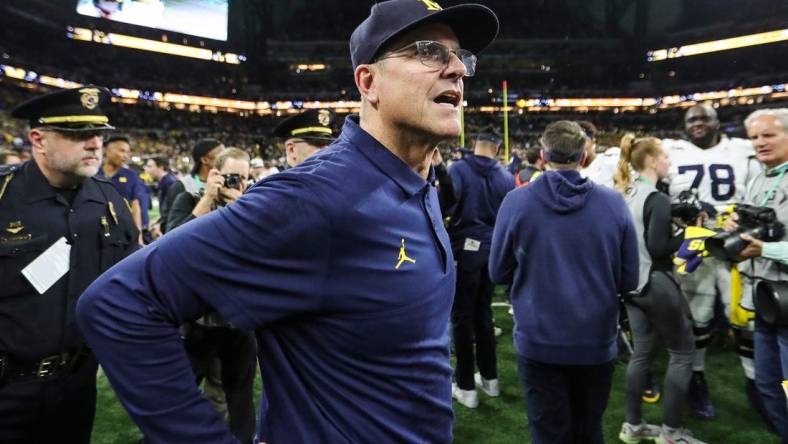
232	181
688	207
771	302
759	222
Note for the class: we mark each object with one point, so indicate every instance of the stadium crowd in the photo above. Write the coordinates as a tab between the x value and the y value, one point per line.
343	252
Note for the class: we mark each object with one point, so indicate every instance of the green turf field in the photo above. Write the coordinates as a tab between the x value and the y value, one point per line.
502	420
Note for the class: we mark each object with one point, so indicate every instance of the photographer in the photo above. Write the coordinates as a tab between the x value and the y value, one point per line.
212	337
768	131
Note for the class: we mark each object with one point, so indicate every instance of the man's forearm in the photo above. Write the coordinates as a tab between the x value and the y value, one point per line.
776	251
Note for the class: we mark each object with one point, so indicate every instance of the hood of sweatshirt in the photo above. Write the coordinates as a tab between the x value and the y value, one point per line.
564	191
482	165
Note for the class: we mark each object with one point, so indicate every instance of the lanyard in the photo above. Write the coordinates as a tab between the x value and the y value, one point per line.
644	180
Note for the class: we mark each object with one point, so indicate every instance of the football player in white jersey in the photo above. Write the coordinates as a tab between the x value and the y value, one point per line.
718	168
600	168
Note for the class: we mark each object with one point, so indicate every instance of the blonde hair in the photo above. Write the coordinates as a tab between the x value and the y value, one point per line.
633	154
230	153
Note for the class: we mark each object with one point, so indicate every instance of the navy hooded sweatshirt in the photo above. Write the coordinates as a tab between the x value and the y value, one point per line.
480	184
569	248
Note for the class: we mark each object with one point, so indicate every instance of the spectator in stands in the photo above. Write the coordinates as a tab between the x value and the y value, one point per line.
342	264
480	183
304	134
569	249
203	154
159	170
9	157
211	336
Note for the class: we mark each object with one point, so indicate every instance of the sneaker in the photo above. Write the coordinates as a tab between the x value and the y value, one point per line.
677	436
497	331
651	394
488	386
468	398
699	400
631	434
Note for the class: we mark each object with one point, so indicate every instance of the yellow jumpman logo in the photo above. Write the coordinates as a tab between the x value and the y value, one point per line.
403	256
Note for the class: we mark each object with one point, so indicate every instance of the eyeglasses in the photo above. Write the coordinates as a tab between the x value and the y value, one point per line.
436	55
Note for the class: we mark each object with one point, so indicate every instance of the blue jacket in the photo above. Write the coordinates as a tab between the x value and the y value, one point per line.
480	184
343	267
569	248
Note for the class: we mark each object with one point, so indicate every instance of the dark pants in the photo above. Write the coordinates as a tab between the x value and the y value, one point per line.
771	369
565	403
471	318
237	351
60	408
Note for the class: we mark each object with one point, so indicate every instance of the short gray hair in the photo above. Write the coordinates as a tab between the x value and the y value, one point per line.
781	114
564	138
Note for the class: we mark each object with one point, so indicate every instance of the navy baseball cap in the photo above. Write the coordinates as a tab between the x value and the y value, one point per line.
475	25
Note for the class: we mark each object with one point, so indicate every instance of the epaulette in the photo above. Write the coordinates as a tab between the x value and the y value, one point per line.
5	170
6	173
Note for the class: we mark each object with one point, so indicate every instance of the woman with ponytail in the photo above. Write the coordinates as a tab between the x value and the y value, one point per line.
657	308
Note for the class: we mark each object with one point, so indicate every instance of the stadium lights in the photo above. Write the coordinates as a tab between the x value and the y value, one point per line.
127	41
167	100
718	45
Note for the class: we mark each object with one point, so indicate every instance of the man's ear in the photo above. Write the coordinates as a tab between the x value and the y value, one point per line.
37	140
365	76
583	158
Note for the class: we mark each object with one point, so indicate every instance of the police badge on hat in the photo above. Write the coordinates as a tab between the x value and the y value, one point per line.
89	98
324	117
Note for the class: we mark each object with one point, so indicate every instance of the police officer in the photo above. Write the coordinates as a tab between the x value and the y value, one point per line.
304	134
342	264
61	228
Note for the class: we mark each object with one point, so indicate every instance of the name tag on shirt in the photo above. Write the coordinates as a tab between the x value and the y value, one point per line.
50	266
471	244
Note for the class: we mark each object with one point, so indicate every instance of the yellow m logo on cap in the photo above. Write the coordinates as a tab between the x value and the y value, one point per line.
431	6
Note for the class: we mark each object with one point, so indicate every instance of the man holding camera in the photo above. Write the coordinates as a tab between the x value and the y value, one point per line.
211	336
768	131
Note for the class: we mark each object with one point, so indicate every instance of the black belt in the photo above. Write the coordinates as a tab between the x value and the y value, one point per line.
12	369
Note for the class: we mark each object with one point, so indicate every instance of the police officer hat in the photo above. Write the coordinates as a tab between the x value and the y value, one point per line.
474	25
310	124
77	109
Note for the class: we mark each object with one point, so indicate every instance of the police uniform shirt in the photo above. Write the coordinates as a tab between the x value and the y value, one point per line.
33	216
345	268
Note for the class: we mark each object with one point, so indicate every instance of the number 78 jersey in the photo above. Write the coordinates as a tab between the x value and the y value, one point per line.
720	173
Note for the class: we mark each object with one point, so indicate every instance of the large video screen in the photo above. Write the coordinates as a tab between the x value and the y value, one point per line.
203	18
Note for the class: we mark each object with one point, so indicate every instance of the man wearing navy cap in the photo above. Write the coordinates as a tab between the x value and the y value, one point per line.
480	183
304	134
61	228
341	264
